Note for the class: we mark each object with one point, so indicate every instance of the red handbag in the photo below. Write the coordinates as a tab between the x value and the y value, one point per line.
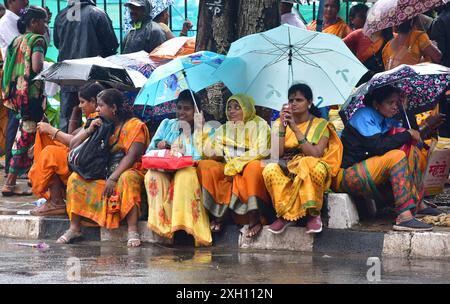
166	160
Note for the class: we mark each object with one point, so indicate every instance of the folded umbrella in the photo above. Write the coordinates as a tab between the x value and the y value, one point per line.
194	72
422	83
265	65
77	72
388	13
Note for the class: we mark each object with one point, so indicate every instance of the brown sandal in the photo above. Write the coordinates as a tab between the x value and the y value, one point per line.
254	230
10	190
48	209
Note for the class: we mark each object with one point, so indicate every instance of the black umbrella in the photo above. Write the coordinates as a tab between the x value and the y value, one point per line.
77	72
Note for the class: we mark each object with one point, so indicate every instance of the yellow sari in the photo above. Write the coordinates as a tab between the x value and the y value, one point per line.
302	189
175	200
340	28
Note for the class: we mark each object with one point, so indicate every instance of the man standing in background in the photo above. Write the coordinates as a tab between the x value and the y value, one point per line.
289	17
90	36
146	34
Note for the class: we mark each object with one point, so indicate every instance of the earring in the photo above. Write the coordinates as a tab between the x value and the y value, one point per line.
309	107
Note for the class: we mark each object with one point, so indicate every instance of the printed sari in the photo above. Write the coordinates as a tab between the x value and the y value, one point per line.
174	199
299	190
84	198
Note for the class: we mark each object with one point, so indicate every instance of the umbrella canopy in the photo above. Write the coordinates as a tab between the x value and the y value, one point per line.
138	61
158	6
77	72
388	13
422	83
187	72
264	65
172	48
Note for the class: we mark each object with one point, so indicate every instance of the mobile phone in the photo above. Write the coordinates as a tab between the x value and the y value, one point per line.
286	106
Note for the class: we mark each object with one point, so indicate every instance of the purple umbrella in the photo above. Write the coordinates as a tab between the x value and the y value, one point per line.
422	83
388	13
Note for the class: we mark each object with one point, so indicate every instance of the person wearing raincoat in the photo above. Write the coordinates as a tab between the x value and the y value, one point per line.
146	34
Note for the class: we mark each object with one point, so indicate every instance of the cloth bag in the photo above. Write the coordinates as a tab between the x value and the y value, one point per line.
166	160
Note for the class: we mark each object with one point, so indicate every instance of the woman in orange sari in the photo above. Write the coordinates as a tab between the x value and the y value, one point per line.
409	46
50	170
237	184
107	202
311	154
332	23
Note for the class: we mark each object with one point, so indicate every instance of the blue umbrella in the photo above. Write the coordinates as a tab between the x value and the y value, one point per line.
193	72
264	65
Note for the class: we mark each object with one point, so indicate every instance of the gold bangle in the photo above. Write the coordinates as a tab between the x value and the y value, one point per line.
54	135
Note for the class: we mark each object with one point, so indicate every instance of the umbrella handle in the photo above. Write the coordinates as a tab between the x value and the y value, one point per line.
190	90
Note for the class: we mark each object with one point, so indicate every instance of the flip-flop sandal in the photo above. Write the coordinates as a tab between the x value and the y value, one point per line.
68	237
250	231
216	226
133	238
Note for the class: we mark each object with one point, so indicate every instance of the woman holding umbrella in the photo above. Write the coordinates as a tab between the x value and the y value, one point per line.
174	199
373	157
24	60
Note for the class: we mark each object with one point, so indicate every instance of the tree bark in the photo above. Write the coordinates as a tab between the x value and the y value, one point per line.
221	22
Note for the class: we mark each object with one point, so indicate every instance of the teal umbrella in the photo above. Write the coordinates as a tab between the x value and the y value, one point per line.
265	65
193	72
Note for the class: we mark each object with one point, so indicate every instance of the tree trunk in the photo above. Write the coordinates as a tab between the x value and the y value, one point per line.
221	22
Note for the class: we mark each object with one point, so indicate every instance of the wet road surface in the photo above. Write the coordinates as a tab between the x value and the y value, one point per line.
109	262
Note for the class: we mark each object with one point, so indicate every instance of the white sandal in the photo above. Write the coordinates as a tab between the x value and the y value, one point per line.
134	239
68	237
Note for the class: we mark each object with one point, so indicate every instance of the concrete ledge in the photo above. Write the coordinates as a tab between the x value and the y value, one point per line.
430	245
120	235
293	238
397	244
37	227
341	210
19	226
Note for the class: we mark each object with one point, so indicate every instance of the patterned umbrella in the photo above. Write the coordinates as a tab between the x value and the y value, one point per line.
388	13
192	72
422	83
160	5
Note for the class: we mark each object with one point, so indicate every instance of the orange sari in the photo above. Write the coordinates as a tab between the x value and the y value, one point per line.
84	198
340	28
50	158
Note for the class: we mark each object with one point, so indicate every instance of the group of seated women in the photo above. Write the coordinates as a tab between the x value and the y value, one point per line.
244	169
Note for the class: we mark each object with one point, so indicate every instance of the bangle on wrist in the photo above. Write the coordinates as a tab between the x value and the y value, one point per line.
282	134
303	141
56	133
113	179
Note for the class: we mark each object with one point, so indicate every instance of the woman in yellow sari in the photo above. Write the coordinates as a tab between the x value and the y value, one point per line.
107	202
50	170
332	23
174	199
237	184
311	155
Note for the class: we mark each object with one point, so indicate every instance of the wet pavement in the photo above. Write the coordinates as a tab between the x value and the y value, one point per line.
107	262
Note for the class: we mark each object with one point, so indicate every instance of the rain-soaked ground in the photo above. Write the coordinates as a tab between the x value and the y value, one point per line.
109	262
